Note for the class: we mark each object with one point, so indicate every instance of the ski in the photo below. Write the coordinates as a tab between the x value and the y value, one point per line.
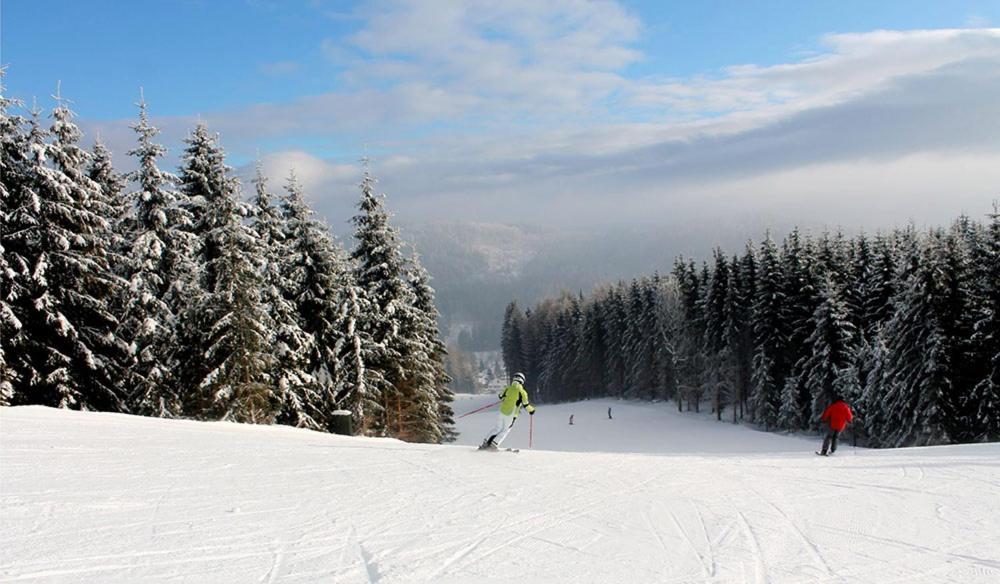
821	454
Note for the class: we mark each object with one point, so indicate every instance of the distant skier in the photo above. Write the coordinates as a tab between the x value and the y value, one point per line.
512	399
839	415
609	414
571	419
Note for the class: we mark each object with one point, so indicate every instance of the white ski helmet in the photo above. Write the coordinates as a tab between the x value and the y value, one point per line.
519	378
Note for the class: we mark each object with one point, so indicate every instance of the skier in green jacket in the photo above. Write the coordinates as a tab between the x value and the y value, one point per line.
512	399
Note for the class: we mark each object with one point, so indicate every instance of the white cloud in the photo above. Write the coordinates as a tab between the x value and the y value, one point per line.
501	110
854	64
313	172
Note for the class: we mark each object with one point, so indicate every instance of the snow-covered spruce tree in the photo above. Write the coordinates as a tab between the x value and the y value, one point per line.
291	345
157	266
315	274
568	377
358	387
203	181
640	351
511	343
963	301
591	357
856	274
112	195
770	337
660	341
66	353
206	184
832	258
690	344
720	374
800	284
739	340
790	413
238	355
986	394
831	347
879	286
743	319
413	415
433	378
870	409
379	271
15	210
224	374
615	318
925	340
549	380
548	367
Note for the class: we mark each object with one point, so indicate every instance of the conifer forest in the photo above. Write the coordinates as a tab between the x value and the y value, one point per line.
178	295
904	325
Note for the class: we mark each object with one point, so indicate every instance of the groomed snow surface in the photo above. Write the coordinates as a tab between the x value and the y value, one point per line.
88	497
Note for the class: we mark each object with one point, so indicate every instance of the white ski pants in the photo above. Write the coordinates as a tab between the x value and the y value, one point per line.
504	424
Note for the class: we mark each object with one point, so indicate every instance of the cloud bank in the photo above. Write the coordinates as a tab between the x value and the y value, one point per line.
526	112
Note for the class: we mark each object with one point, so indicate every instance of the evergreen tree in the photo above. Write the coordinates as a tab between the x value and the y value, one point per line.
770	336
690	346
316	273
738	334
157	267
208	195
615	317
359	387
207	186
511	343
434	362
879	287
856	275
238	358
986	394
923	396
65	354
801	282
379	271
292	345
831	350
111	192
743	319
718	304
640	339
592	356
15	213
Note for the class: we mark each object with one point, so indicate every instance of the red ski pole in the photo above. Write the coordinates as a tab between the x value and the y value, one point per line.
531	429
486	407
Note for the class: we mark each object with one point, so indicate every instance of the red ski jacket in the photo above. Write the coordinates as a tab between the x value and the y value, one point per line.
839	414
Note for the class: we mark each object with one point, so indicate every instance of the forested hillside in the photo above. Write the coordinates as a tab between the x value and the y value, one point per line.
905	325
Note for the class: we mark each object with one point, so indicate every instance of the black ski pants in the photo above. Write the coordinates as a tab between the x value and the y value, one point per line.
830	442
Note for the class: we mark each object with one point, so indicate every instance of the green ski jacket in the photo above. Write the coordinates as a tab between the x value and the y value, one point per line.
512	398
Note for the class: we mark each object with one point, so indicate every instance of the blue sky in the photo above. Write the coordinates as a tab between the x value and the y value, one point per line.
202	55
588	109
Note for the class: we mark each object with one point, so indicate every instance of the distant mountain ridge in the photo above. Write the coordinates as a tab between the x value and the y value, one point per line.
479	267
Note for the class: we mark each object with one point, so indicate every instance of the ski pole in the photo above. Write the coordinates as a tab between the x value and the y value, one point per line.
487	406
531	429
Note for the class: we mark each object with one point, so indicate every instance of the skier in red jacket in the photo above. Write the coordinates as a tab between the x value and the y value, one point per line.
839	415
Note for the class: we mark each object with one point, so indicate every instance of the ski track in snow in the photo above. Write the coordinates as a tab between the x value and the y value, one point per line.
651	496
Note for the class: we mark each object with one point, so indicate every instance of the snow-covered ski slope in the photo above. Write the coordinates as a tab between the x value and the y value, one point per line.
88	497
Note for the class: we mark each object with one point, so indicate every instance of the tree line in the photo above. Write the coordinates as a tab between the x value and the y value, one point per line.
170	295
905	325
